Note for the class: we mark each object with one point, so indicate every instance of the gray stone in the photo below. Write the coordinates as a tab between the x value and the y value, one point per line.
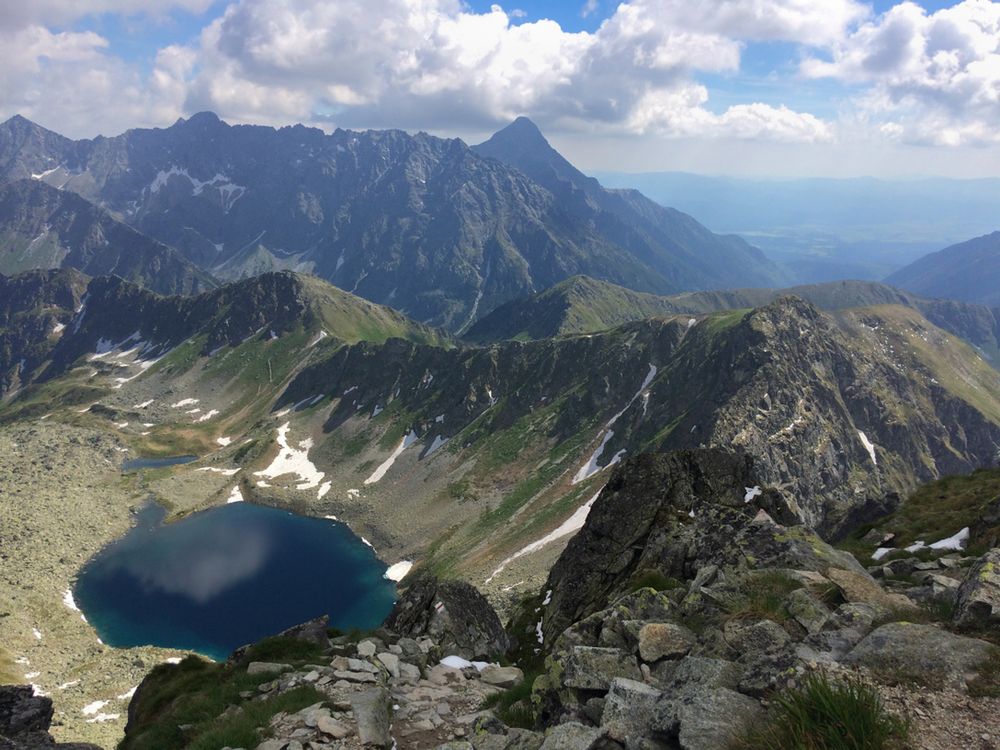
749	639
714	719
978	602
371	712
702	672
594	668
391	662
367	649
807	610
334	728
408	673
571	736
920	649
629	711
664	640
502	677
263	667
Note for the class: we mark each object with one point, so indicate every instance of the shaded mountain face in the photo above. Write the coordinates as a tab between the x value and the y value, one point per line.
848	412
967	271
49	320
42	227
424	224
35	308
584	305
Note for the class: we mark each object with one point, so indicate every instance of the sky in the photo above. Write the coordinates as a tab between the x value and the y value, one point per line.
776	88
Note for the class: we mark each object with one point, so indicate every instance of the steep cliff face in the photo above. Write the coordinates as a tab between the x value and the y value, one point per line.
42	227
424	224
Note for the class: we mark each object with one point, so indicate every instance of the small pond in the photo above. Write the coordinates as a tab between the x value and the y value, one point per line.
134	464
229	576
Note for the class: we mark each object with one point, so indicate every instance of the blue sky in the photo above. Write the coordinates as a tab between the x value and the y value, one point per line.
746	86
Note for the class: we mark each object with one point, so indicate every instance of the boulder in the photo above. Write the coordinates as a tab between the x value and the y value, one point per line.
264	667
715	719
454	614
978	603
860	587
924	650
501	677
371	712
595	668
664	640
629	711
572	736
25	719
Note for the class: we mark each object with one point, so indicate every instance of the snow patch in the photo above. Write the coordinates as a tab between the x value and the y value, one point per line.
591	467
207	415
398	571
409	439
69	601
570	526
868	446
751	493
217	470
184	402
955	542
144	404
92	708
293	461
323	489
37	633
457	662
127	696
881	552
236	496
224	441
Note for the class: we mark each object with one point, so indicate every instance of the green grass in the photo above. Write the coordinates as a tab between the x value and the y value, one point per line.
242	729
514	706
934	511
196	692
825	714
762	597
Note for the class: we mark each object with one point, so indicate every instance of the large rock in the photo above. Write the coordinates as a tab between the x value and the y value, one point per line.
664	640
715	719
858	586
924	650
371	712
978	603
25	719
629	711
572	736
595	668
677	514
454	614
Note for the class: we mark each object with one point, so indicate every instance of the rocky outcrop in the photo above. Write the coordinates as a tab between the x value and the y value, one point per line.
454	614
978	603
680	515
25	719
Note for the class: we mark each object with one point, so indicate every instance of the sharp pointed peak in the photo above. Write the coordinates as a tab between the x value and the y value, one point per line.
522	127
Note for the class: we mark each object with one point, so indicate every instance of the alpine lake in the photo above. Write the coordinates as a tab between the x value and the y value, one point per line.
228	576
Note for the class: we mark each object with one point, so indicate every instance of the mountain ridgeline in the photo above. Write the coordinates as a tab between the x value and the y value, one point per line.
967	271
439	230
582	305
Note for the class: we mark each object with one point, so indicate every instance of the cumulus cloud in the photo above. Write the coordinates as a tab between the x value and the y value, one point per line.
70	82
57	12
434	64
932	77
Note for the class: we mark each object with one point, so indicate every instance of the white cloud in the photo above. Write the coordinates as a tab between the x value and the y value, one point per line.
433	64
933	77
68	81
21	13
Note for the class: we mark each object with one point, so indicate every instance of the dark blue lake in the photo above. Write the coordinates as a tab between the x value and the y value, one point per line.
134	464
229	576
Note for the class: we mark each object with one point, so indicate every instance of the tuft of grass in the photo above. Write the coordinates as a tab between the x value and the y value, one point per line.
653	579
283	649
244	728
762	597
514	706
824	714
986	683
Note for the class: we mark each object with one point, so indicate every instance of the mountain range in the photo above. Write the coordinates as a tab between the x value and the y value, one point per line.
966	271
439	230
